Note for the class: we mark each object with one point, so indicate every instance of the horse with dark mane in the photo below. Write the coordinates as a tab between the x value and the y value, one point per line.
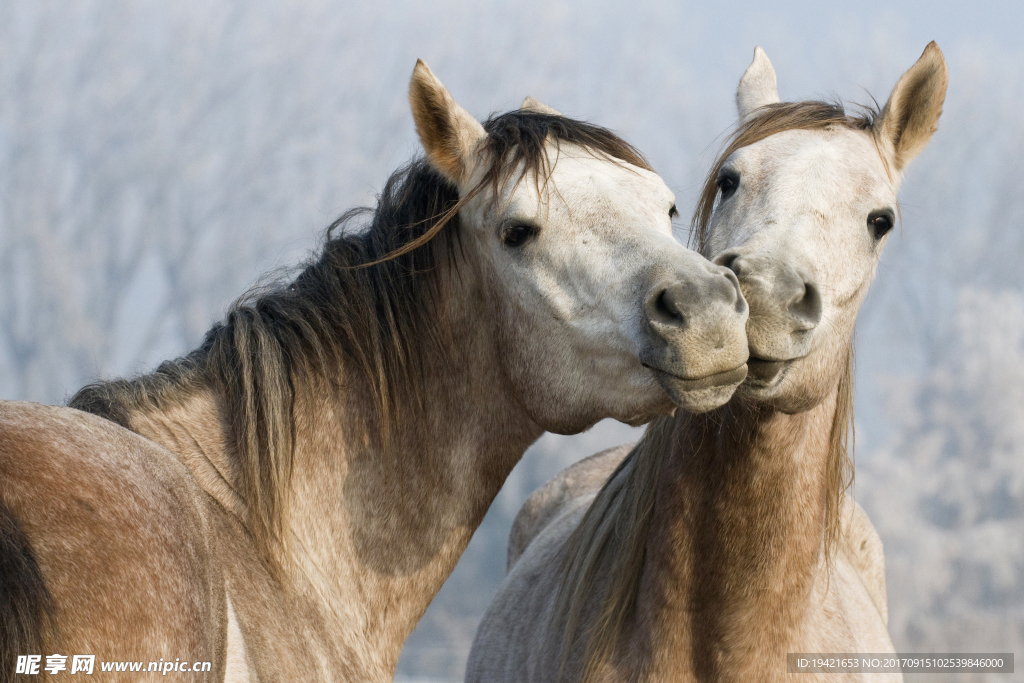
722	542
284	502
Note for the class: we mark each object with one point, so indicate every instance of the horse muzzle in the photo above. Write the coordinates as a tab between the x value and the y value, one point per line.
702	394
785	311
696	335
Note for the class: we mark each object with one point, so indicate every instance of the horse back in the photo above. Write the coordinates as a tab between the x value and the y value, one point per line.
582	478
106	530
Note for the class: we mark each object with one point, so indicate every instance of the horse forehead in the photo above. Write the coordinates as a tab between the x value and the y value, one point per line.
584	179
830	167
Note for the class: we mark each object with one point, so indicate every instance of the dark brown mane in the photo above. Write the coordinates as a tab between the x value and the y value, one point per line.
519	139
368	302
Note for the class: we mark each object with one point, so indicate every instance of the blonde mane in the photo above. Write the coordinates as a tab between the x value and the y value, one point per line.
604	555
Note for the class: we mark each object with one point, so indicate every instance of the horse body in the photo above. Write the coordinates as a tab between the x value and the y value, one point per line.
724	541
759	604
285	501
126	515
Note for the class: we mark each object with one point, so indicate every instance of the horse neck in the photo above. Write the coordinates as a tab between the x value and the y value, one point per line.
372	530
737	537
396	519
376	527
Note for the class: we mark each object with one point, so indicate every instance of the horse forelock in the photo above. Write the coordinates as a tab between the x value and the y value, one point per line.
518	143
370	302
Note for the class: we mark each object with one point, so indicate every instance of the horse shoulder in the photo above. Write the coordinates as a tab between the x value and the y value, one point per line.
582	478
863	547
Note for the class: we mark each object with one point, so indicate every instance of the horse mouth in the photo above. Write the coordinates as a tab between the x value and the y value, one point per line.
764	373
700	394
719	379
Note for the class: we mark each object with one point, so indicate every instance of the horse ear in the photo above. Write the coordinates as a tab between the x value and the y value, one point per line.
912	113
449	134
530	104
758	86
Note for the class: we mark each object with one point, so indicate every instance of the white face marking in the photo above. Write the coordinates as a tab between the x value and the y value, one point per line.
599	238
803	202
809	193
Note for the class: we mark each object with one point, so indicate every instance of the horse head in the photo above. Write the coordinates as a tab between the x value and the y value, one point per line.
799	207
597	309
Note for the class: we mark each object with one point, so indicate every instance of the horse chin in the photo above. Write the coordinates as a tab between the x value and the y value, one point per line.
764	376
766	384
704	393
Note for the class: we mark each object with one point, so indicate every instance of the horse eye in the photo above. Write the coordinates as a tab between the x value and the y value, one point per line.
880	224
727	183
517	235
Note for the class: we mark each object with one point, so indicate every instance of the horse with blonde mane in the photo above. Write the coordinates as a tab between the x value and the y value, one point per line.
283	503
723	541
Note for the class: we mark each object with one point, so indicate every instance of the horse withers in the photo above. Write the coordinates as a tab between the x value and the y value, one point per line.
724	541
285	501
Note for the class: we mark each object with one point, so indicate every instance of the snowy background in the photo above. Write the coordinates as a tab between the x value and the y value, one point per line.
156	157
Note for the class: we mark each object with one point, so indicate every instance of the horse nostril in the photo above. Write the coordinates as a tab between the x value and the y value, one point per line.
807	308
730	260
666	307
732	292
